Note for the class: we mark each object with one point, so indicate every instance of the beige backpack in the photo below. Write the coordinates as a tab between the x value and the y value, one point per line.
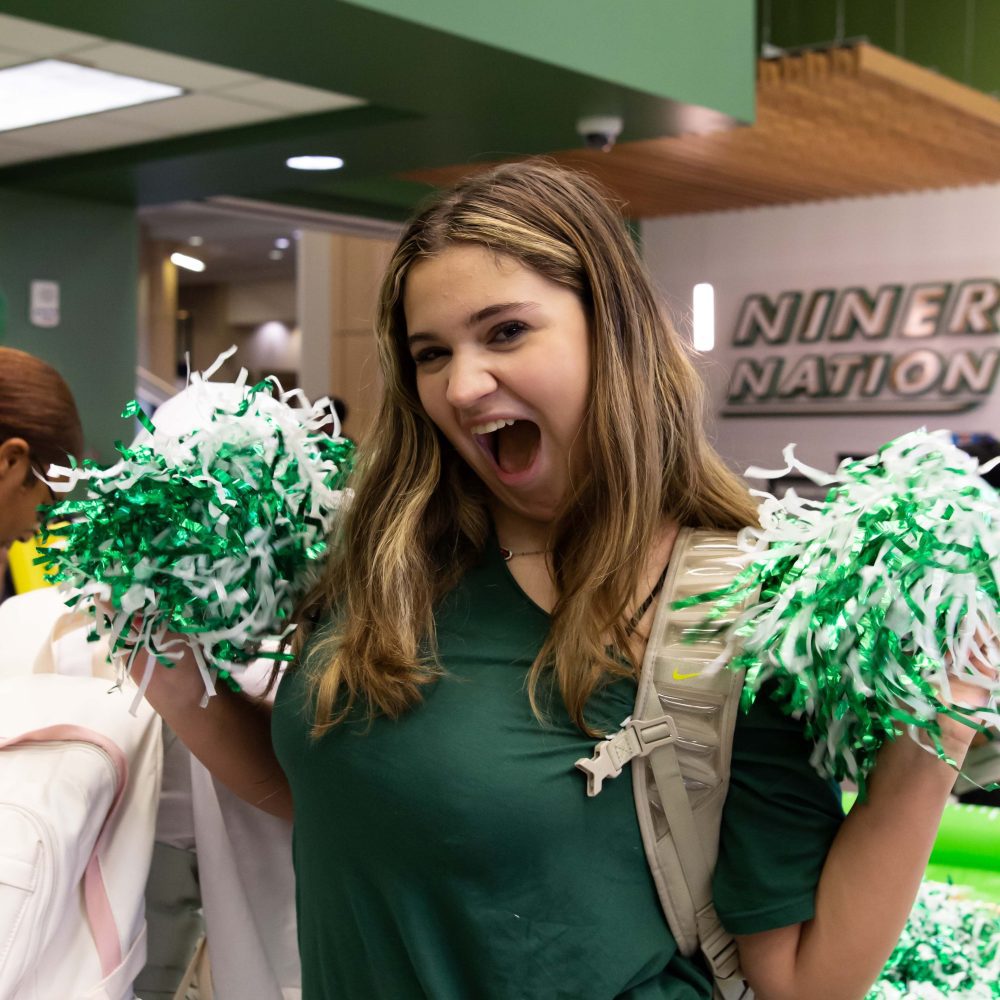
681	738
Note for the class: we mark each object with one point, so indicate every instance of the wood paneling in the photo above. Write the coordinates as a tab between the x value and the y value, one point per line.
844	122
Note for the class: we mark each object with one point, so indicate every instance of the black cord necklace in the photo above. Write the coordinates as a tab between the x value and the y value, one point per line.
633	622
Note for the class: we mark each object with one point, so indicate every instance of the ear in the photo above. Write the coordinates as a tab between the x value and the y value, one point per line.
15	457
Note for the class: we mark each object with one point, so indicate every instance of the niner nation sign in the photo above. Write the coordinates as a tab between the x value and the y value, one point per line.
931	348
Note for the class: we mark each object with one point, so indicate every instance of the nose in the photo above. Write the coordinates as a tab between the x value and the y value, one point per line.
470	379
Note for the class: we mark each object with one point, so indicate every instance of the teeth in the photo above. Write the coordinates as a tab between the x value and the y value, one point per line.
493	425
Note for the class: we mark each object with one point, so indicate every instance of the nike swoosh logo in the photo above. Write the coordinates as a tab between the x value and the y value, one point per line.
685	677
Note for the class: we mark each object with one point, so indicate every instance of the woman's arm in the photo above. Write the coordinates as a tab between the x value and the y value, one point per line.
231	736
869	880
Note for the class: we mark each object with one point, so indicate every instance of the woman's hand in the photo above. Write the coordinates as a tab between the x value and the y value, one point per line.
873	870
230	733
957	736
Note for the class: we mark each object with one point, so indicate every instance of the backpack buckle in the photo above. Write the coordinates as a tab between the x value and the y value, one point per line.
636	738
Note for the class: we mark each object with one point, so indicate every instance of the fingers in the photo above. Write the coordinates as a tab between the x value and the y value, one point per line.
984	654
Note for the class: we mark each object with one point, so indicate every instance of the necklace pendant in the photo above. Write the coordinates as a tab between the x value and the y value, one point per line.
506	554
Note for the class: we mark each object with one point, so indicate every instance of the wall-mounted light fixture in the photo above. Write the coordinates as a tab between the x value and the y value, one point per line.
703	297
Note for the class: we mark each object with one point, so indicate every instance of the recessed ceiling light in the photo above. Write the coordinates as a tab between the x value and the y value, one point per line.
314	162
189	263
276	255
282	242
52	90
195	241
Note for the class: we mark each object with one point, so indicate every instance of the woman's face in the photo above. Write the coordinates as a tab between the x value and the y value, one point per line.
21	492
502	359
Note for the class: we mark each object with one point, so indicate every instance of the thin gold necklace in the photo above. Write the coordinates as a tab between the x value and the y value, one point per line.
508	554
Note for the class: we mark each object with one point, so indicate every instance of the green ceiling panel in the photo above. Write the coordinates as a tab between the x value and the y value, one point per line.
986	47
435	97
959	38
702	53
935	35
877	20
791	23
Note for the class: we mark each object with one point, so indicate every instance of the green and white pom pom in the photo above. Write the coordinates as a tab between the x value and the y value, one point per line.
203	534
863	596
949	948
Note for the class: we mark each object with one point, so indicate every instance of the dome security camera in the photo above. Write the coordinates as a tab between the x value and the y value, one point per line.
600	131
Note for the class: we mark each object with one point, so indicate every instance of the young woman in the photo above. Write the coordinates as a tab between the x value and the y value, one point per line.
39	426
483	615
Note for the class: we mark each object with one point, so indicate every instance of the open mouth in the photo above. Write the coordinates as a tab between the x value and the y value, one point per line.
512	447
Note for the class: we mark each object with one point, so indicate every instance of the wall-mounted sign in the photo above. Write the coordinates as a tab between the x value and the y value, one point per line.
932	347
44	303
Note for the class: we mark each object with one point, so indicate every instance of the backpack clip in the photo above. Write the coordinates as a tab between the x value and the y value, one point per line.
636	738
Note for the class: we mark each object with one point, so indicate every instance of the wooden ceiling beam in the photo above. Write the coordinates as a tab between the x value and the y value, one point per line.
845	122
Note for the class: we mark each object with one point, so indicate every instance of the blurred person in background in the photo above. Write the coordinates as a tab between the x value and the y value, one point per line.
39	427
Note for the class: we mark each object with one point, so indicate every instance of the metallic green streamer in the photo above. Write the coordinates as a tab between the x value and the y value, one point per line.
862	596
209	534
949	948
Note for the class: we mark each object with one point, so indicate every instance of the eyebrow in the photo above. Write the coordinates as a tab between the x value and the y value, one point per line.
477	317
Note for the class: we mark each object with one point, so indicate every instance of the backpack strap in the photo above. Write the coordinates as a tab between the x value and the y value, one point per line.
688	778
680	741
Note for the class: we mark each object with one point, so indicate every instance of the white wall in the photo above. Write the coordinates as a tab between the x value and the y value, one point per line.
904	239
250	303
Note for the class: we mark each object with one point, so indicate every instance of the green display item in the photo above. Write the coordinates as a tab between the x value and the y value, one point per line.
969	837
977	883
967	840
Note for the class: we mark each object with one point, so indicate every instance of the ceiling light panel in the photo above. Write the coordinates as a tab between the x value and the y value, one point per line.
52	90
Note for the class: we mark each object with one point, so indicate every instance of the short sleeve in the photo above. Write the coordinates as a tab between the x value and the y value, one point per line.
779	820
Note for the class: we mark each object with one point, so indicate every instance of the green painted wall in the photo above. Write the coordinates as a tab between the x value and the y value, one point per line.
958	39
699	52
91	249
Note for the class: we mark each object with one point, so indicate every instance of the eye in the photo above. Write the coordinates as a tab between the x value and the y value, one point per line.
428	355
505	333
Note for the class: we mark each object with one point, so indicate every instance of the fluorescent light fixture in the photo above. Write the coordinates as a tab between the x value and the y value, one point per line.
314	162
704	317
52	90
189	263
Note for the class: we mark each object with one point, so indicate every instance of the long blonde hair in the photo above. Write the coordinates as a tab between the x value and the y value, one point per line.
419	516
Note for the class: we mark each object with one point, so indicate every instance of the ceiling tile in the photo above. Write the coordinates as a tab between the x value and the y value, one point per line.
193	113
87	133
292	96
10	57
40	39
192	74
21	152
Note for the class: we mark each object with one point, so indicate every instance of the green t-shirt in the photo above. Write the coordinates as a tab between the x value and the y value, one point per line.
454	854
